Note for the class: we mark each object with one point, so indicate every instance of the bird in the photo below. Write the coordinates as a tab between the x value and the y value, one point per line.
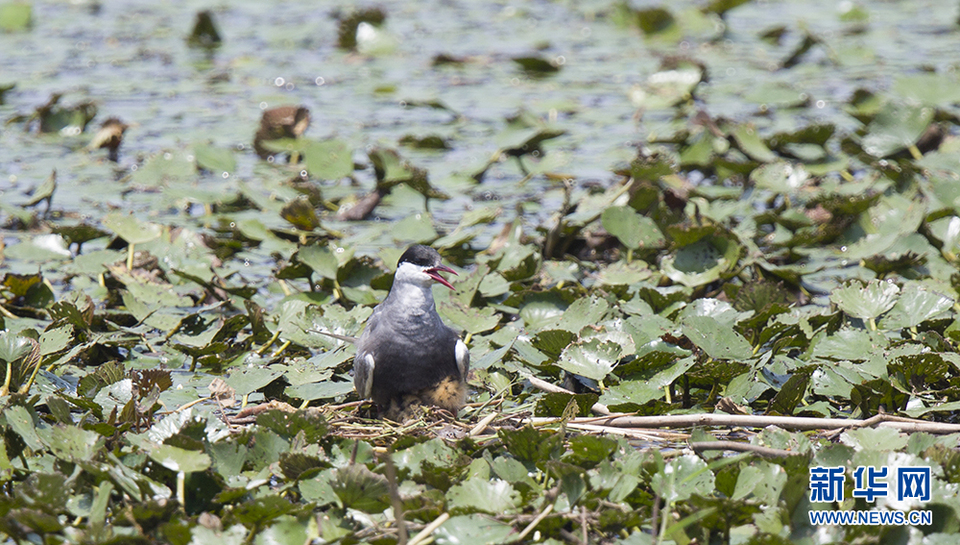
278	123
110	136
406	356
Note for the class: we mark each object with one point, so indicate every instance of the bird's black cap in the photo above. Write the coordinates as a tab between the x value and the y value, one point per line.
420	255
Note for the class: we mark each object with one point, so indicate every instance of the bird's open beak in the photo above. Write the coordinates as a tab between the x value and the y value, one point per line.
435	274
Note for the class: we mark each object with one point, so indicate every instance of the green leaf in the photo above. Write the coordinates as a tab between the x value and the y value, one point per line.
321	259
21	422
593	359
529	444
790	395
866	302
286	424
318	489
761	480
717	340
469	319
632	229
584	312
590	450
683	477
328	159
481	495
750	143
472	530
214	159
361	489
178	459
874	439
301	213
15	16
434	451
638	392
553	342
915	306
780	177
258	512
896	127
130	229
250	379
165	169
701	262
849	344
554	404
72	444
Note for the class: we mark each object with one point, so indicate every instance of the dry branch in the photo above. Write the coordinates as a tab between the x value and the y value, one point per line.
759	421
766	452
598	408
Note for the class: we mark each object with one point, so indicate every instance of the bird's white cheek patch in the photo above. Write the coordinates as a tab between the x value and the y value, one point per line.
463	358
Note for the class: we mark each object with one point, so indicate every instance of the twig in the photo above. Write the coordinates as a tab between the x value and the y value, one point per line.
391	472
533	524
583	524
186	406
647	435
598	408
482	425
346	405
7	313
756	421
735	446
429	529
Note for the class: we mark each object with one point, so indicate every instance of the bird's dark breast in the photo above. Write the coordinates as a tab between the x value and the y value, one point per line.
406	366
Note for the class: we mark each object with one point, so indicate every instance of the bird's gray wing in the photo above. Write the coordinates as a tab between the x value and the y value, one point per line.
462	354
364	362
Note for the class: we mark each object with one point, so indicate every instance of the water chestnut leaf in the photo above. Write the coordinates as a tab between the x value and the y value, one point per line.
632	229
250	379
683	477
328	159
897	126
359	488
130	229
481	495
749	141
168	168
178	459
216	160
204	33
717	340
632	393
701	262
536	66
590	450
72	444
916	305
472	529
16	16
874	439
531	445
321	259
866	302
301	214
593	359
555	403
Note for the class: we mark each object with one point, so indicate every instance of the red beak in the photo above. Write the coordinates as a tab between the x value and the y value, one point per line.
435	274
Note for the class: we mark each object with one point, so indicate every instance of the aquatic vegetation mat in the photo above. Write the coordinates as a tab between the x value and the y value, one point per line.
707	253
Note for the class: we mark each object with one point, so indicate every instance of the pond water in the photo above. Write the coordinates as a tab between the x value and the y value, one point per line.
133	61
